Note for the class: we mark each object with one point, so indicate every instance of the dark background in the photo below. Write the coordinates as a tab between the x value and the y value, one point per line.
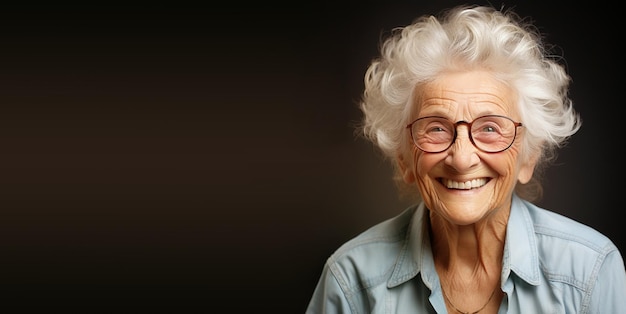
197	158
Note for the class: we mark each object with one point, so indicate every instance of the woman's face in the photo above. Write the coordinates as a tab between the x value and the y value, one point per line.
441	177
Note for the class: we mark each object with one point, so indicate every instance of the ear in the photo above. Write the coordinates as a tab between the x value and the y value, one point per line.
527	168
405	169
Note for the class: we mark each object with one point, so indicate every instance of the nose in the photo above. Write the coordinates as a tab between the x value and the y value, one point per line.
462	154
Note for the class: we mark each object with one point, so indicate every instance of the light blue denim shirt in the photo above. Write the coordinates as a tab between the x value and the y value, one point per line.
551	264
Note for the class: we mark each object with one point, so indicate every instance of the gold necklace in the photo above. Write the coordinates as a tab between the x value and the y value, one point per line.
454	307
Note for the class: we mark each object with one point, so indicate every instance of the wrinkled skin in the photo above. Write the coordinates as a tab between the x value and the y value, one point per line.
468	226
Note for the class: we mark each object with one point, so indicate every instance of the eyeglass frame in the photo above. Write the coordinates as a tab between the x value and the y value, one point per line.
469	132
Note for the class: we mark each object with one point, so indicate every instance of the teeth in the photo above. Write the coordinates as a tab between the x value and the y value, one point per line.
471	184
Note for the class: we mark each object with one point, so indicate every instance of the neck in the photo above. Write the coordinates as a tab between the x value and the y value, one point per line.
480	244
468	260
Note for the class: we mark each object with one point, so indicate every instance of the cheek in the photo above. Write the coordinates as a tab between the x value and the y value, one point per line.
423	163
505	164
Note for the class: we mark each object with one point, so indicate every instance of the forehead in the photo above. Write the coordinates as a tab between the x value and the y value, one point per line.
474	91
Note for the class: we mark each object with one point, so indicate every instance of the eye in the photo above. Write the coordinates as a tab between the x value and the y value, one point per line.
436	129
488	128
436	126
488	125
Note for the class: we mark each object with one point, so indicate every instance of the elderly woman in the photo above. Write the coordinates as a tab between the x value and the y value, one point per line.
469	108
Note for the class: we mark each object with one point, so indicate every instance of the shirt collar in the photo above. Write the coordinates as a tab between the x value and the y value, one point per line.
520	248
416	248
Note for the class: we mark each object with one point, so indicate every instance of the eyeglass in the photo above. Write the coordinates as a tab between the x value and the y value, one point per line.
490	133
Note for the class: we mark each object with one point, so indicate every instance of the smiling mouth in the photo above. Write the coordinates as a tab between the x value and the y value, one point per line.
466	185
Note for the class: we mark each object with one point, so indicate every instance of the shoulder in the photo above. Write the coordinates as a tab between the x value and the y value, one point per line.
570	249
555	252
554	228
369	257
